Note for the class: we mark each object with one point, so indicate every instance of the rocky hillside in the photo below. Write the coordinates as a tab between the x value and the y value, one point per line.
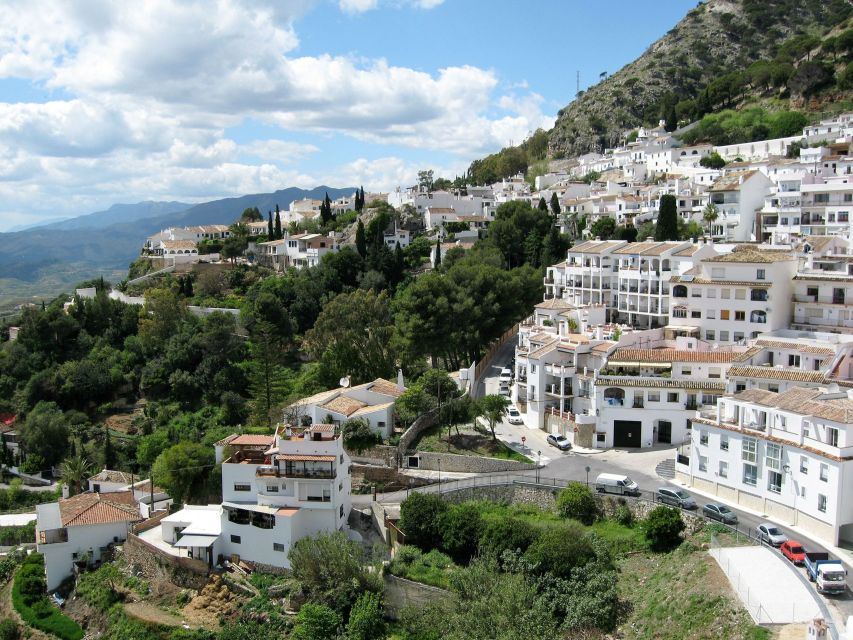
707	62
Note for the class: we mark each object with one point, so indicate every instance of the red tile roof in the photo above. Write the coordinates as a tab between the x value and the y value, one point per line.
304	457
96	508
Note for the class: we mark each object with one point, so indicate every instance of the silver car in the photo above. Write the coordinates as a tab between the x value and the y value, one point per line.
676	498
771	534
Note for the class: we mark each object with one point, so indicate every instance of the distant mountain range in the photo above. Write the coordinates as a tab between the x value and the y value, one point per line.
44	261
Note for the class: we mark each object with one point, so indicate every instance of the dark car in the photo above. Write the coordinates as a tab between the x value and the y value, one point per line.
561	442
720	512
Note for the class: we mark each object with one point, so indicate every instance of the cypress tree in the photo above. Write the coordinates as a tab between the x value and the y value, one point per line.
555	205
437	253
666	227
361	199
109	453
543	206
188	287
278	234
360	240
328	203
270	230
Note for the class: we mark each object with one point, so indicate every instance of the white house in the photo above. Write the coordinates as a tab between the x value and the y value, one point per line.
372	401
737	196
787	454
80	529
826	205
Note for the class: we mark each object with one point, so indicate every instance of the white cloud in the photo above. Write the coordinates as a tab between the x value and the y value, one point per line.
427	4
357	6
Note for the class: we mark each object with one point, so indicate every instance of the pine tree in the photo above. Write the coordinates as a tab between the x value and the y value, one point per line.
555	205
666	227
267	377
543	206
270	229
278	234
360	240
438	253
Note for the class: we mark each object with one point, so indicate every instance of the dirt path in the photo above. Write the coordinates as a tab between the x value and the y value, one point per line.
149	613
7	612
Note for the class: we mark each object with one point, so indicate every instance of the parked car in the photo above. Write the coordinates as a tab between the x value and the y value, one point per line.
720	512
771	534
504	390
828	574
514	416
616	483
505	377
676	498
794	551
561	442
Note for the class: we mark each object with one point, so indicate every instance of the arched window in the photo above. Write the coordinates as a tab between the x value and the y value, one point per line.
758	295
614	396
759	317
679	312
679	291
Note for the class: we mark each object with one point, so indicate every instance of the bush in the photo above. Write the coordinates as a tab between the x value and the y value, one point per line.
506	534
420	519
365	619
316	622
34	607
624	515
577	502
461	527
358	436
9	630
433	568
663	528
712	161
559	549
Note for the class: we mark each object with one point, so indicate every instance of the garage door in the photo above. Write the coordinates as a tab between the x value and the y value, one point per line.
626	433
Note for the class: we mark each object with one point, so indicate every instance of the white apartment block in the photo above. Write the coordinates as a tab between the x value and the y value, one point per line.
299	251
787	454
733	297
826	205
737	196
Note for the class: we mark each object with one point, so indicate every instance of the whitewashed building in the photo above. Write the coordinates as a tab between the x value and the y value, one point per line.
738	196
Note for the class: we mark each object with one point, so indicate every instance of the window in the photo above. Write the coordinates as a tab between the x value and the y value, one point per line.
696	293
824	472
672	397
806	428
679	312
740	386
821	198
738	336
740	316
695	314
773	456
272	488
235	539
725	294
758	295
714	373
749	450
342	458
703	463
740	294
794	361
832	436
760	274
653	396
710	335
711	314
96	488
750	474
724	336
724	443
724	314
804	465
821	503
724	469
712	293
774	481
679	291
703	437
532	368
277	546
242	486
686	371
341	511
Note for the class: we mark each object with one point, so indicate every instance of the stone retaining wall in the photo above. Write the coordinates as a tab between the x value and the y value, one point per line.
401	593
429	460
155	563
422	423
380	455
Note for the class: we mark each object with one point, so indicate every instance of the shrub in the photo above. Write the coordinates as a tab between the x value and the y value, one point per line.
712	161
9	630
358	436
34	607
461	527
433	568
624	515
577	502
506	534
559	549
420	519
316	622
365	619
663	528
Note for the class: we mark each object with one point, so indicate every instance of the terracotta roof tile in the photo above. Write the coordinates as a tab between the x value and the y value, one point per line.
772	373
107	475
672	355
249	439
96	508
659	383
344	406
386	387
779	344
752	254
304	457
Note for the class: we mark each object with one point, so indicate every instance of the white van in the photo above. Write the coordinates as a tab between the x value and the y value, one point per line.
616	483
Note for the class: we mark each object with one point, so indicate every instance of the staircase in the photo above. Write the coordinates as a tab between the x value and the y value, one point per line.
666	469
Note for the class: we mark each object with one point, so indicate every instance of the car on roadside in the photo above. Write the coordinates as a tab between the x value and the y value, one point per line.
513	416
794	551
506	377
503	390
771	534
720	512
559	441
676	498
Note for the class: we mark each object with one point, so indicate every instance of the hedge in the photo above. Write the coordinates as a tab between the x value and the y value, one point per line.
38	612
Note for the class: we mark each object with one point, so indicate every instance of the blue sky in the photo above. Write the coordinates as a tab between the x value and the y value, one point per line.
120	102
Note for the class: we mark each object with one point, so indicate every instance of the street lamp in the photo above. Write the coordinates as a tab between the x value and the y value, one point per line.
587	475
538	464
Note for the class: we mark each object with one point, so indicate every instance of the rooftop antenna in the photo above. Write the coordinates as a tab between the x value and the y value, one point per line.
344	382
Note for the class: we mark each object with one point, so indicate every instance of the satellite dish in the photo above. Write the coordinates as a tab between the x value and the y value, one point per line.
344	382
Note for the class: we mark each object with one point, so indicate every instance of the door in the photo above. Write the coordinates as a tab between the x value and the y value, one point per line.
665	431
626	433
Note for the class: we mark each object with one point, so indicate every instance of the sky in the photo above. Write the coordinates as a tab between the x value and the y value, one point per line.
104	102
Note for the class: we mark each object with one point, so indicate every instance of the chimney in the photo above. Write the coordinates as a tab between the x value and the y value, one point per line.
401	385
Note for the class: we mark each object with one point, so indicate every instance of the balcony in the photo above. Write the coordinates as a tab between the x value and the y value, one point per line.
53	536
637	404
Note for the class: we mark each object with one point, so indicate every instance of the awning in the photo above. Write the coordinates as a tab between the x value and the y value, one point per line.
196	541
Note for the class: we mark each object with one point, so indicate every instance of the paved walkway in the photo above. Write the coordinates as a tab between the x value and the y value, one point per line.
771	591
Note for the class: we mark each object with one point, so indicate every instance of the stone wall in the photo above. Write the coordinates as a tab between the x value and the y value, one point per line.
380	455
156	564
401	593
430	460
423	422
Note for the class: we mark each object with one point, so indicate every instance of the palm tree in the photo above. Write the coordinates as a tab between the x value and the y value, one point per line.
75	470
710	215
492	408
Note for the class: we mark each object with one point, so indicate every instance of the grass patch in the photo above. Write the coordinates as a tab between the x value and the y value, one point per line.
468	442
433	568
31	602
681	594
620	538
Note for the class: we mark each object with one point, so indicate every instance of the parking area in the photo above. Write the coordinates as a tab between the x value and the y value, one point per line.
770	589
